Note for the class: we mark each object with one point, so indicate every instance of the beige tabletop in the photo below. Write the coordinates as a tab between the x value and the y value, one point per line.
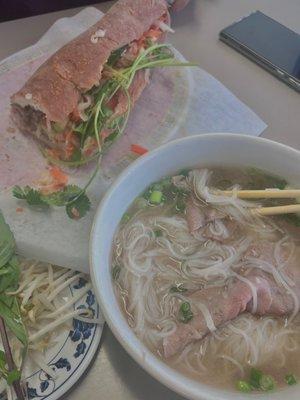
114	375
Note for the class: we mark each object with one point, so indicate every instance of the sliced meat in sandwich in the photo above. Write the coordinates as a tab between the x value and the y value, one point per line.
78	101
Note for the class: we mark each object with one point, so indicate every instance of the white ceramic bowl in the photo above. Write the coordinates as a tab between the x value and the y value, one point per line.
202	150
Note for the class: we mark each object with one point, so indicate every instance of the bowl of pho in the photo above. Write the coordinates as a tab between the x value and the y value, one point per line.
194	255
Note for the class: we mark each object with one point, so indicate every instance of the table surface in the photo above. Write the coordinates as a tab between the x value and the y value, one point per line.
114	375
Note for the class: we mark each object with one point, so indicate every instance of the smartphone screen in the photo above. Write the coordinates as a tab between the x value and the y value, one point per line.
267	40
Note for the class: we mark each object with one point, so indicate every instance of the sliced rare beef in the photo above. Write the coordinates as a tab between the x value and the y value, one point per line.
272	296
209	222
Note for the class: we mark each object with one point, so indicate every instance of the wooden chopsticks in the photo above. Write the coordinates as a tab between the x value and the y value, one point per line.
268	194
262	194
290	209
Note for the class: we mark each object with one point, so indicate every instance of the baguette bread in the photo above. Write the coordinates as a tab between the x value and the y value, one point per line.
55	90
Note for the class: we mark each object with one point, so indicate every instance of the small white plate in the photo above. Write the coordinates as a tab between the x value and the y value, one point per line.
72	353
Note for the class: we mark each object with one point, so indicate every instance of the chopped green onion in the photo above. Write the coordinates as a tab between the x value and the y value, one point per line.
255	376
158	233
290	379
280	184
266	383
243	386
156	197
185	312
178	288
116	272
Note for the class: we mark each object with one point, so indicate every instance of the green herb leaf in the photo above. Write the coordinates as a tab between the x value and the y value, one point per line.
62	197
78	208
13	376
116	55
32	196
290	379
10	312
19	193
9	275
185	312
72	197
7	242
2	361
9	306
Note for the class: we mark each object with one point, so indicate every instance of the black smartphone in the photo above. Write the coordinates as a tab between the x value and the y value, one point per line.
268	43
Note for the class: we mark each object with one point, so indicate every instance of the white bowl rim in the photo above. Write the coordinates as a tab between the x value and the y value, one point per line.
174	380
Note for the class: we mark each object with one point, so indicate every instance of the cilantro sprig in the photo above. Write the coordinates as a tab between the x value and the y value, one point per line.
72	197
100	116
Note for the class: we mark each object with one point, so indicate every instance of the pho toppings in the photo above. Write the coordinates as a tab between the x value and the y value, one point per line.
207	284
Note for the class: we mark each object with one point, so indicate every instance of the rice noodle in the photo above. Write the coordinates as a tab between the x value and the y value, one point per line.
208	318
151	266
234	362
245	341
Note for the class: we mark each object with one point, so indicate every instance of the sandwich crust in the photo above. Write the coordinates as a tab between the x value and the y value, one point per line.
55	88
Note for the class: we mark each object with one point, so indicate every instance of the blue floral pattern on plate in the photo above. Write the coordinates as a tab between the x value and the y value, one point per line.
74	354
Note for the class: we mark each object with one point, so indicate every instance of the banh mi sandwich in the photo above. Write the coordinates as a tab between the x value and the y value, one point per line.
77	103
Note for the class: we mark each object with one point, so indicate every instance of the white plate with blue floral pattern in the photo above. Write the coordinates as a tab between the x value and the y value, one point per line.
73	351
